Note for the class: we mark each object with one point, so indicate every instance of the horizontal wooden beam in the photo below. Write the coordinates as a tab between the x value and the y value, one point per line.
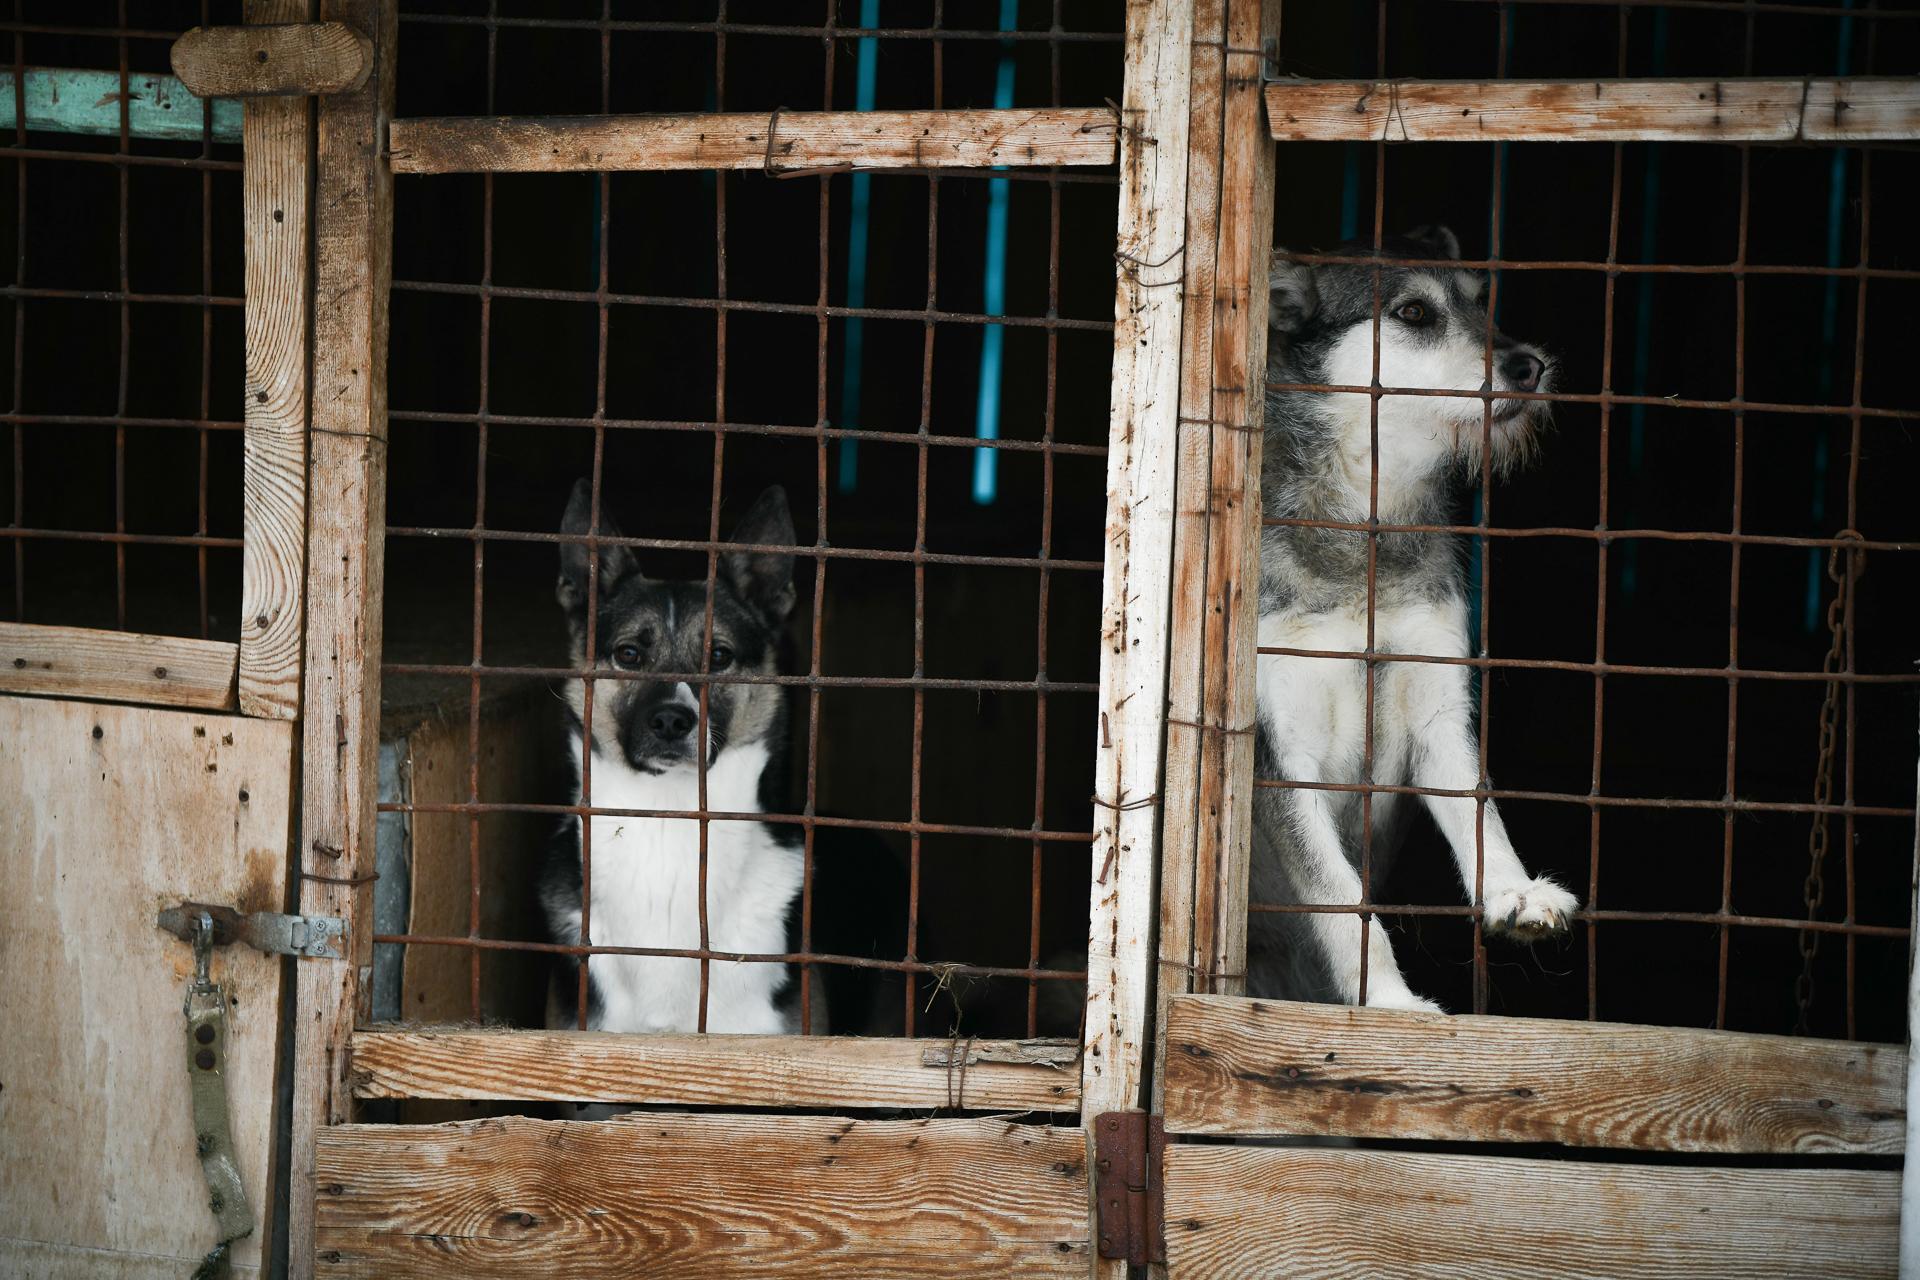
60	100
117	666
1594	110
800	140
678	1196
1273	1067
694	1070
1308	1213
272	59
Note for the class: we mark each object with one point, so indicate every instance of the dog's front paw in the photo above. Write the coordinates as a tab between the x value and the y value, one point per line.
1531	911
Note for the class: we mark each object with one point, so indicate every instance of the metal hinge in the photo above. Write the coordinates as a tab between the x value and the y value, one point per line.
267	931
1129	1150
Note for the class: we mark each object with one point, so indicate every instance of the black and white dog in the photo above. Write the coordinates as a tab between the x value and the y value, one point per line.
1319	465
645	884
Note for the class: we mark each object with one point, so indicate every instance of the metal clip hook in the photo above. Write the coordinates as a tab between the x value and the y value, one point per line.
202	927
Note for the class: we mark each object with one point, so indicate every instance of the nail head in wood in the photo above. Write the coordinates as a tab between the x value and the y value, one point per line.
275	60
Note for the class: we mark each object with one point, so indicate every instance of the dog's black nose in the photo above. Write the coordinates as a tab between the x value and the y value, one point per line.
671	723
1523	370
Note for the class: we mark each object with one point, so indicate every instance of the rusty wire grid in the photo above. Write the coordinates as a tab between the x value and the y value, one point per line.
722	298
1843	551
174	562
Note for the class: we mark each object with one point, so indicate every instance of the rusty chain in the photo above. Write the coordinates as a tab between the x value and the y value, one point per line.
1816	886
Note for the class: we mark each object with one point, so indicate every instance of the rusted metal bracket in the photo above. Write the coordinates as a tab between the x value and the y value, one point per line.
272	60
267	931
1129	1149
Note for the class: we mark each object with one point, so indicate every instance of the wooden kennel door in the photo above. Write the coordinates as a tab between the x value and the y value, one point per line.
1255	1070
110	812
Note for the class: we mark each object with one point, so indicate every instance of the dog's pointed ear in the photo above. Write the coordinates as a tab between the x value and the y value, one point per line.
764	579
1292	295
615	562
1437	238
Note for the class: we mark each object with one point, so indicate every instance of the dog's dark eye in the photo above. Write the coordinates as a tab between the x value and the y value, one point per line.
1412	313
722	657
627	655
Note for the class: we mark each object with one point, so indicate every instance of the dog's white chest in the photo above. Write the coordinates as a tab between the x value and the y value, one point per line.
646	893
1315	709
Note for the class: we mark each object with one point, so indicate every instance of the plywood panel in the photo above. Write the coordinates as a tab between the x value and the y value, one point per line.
712	1196
1273	1067
1319	1214
106	814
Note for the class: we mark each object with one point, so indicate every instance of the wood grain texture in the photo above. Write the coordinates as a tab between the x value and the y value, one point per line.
353	238
116	666
695	1070
1178	969
1910	1188
276	142
801	140
106	813
1594	110
1142	435
1143	443
1216	554
703	1196
1273	1067
286	57
1318	1214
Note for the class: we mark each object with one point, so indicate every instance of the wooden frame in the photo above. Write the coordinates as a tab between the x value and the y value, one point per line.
117	666
275	179
774	1196
1307	1213
1137	586
341	720
1269	1067
776	141
1205	837
1594	110
741	1071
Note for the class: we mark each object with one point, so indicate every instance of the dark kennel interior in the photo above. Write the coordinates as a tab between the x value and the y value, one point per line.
687	335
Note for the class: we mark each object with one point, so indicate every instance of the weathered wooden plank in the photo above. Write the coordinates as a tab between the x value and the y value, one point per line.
276	144
695	1070
347	509
1143	435
1137	579
1274	1067
1594	110
1318	1214
287	56
1233	548
800	140
107	813
666	1196
1910	1188
88	101
116	666
1181	890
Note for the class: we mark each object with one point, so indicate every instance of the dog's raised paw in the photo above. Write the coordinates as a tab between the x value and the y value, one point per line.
1529	912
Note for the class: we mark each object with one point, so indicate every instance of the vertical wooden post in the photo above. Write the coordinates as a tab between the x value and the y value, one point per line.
335	854
1206	835
1910	1179
276	145
1142	435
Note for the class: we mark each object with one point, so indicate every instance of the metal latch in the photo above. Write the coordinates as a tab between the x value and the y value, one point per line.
1129	1148
268	931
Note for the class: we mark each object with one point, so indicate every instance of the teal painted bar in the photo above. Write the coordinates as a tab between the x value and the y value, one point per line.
160	107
